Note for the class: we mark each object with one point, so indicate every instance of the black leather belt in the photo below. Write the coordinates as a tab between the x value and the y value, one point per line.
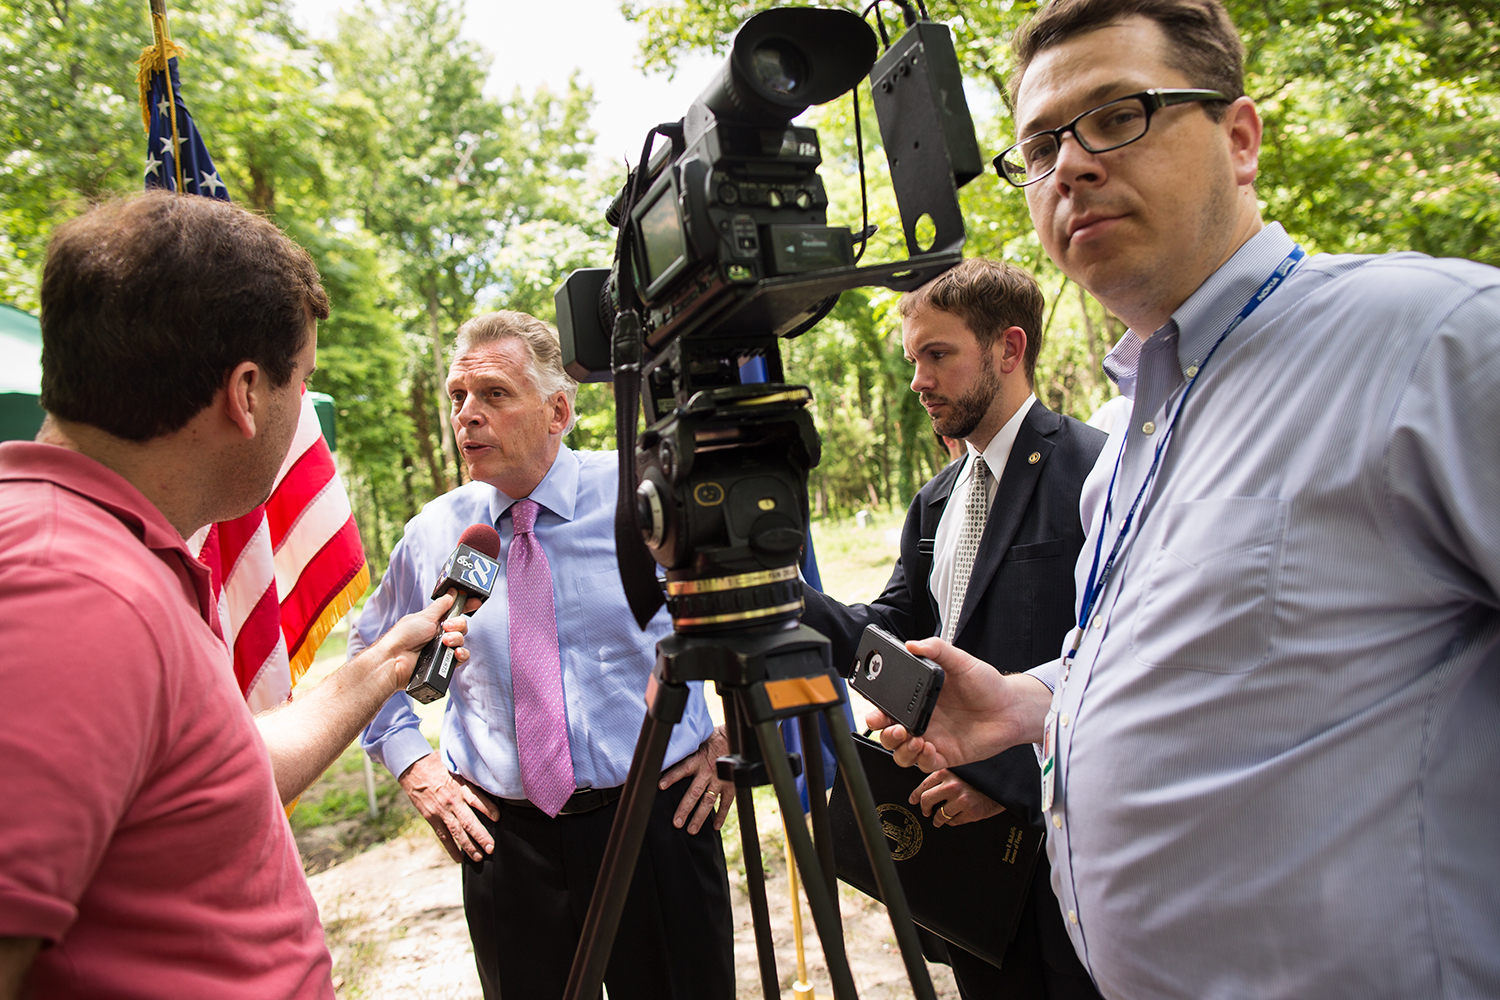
582	801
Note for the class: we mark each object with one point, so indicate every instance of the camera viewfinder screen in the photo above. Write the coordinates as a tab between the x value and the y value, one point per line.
662	235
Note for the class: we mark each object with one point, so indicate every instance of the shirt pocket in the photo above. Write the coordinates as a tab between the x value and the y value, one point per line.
601	626
1211	589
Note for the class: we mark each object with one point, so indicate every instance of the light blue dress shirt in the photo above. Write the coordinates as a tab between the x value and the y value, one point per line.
1279	744
606	659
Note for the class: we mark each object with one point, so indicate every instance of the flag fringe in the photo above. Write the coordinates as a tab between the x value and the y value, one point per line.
154	60
337	608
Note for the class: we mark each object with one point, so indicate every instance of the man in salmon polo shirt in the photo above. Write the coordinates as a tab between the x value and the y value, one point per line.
144	850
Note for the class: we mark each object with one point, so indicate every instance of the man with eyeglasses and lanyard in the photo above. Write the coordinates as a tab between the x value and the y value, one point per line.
1271	748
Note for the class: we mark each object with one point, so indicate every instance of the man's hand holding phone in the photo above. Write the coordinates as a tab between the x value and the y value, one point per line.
978	713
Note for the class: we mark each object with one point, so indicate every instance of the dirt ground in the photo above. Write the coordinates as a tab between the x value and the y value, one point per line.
395	924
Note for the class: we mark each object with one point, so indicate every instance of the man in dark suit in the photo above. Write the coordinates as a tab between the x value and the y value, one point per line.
987	558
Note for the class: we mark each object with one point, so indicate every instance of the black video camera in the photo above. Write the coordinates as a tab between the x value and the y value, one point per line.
724	248
729	225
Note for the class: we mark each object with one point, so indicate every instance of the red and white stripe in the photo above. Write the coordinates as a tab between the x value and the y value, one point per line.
286	572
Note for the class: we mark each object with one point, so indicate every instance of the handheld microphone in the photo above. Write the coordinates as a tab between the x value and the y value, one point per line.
471	570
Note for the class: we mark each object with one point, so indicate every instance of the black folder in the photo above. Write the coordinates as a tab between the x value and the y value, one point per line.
967	884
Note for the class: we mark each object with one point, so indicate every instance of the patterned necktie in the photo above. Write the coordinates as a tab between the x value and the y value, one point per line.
976	513
535	671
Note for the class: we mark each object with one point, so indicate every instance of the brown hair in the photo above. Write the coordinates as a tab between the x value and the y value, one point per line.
1202	42
990	296
148	302
542	345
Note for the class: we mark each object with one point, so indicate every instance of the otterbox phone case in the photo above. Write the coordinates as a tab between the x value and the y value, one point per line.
903	686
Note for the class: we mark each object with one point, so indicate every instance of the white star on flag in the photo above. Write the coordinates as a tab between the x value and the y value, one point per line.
162	106
166	145
210	181
152	165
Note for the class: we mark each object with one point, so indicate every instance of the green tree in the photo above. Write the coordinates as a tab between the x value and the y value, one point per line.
450	180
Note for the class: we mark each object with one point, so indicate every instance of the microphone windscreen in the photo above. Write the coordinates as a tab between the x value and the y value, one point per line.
482	538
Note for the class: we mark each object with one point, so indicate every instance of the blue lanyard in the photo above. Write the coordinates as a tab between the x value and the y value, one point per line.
1099	579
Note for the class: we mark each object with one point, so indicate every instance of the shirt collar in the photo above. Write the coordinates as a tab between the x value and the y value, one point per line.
1209	310
557	492
997	452
28	461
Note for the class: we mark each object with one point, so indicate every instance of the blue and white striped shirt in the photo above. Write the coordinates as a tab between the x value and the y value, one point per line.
1279	744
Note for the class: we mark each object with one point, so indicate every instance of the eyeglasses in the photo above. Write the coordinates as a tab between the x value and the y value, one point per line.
1098	130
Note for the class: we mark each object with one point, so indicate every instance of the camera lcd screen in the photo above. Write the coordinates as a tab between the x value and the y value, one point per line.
661	235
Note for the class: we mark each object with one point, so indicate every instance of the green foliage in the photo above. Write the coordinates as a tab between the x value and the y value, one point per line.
419	196
1382	120
424	200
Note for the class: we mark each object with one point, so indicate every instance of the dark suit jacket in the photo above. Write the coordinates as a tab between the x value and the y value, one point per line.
1019	604
1017	610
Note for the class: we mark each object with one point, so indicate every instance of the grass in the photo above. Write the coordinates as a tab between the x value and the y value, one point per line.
767	825
332	820
357	954
856	562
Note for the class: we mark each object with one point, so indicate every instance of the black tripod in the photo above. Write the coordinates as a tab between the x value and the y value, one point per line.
764	676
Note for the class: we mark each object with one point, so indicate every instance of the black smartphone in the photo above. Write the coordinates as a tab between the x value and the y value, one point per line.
901	685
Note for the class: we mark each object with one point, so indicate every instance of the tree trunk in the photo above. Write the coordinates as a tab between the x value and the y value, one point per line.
408	492
421	416
1091	337
262	192
375	539
440	374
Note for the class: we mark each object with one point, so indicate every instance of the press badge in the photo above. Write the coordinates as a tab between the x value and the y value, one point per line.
1049	758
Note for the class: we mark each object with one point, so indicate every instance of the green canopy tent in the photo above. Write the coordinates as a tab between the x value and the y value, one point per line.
20	374
21	380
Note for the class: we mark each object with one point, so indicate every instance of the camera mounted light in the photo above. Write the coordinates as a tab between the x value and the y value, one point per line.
787	59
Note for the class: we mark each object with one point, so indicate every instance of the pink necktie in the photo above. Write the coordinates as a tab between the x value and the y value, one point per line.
535	673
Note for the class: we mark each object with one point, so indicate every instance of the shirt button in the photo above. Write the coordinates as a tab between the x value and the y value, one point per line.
1192	370
1148	428
1098	621
1057	820
1072	916
1065	718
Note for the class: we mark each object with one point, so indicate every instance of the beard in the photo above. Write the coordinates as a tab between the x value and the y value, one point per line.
965	412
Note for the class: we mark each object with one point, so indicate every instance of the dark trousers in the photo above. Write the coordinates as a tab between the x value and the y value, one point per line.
1040	963
526	905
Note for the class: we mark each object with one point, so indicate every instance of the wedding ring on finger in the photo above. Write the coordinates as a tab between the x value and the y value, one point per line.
943	812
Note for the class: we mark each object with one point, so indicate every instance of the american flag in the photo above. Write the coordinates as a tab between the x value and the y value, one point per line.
172	140
286	572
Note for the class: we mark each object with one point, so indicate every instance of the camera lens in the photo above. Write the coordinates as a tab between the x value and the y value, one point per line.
778	67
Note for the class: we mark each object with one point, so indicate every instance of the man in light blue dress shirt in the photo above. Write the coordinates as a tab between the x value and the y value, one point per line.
528	876
1274	740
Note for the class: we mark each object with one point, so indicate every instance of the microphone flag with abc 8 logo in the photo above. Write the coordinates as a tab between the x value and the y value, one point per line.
471	570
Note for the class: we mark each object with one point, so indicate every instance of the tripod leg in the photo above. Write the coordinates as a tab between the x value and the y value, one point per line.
755	874
755	878
824	906
886	879
624	848
817	798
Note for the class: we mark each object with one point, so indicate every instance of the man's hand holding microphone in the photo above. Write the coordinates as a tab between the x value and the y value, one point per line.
306	734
